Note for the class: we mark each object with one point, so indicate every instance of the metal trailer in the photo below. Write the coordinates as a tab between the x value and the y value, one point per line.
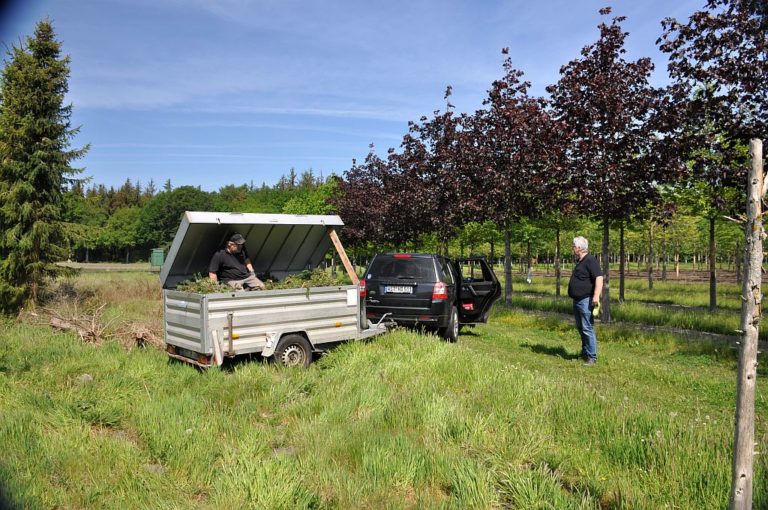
289	324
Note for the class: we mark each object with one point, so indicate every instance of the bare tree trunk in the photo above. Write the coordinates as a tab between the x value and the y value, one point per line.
529	270
751	298
712	267
605	298
557	261
677	265
664	254
493	254
507	264
650	256
622	255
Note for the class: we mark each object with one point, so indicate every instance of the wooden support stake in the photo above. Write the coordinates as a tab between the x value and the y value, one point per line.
342	255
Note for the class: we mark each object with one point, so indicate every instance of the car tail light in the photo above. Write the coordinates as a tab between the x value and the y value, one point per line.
402	255
363	288
440	291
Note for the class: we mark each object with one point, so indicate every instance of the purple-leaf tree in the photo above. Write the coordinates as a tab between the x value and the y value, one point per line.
517	141
607	102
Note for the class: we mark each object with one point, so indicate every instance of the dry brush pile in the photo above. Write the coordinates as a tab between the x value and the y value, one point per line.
96	312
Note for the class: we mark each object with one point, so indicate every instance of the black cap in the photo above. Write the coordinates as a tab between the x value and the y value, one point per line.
237	239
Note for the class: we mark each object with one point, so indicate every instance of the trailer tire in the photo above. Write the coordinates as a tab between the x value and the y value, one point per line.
293	351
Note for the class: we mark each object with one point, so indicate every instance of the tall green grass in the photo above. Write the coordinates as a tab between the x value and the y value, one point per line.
508	417
722	322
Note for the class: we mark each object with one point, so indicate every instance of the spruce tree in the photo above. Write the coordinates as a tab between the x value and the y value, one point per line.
35	158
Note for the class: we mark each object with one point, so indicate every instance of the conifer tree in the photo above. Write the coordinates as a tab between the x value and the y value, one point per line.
35	164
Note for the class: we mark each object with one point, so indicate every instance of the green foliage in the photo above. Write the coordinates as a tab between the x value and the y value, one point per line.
122	228
201	284
35	158
160	219
304	279
312	200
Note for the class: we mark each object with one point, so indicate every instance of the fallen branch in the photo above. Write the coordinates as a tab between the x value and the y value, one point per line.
88	326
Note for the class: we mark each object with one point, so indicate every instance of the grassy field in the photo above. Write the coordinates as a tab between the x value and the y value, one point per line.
671	292
508	417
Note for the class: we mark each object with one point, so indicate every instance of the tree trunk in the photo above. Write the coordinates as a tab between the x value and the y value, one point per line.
127	255
664	254
751	297
712	268
86	254
650	256
493	252
677	265
528	271
605	301
507	264
622	255
557	261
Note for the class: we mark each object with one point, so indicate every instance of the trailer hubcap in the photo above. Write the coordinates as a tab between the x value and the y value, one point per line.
293	355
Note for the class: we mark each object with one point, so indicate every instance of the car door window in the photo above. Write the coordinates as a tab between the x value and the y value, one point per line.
446	273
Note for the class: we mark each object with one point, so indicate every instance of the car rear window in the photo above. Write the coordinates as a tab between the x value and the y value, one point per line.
414	268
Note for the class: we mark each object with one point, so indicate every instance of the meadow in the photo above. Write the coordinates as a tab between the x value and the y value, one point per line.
506	418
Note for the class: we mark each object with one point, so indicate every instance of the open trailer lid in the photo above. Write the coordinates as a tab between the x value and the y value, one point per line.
278	244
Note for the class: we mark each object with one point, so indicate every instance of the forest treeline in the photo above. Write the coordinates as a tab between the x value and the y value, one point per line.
126	223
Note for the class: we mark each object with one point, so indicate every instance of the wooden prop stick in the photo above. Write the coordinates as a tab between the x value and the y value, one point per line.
342	255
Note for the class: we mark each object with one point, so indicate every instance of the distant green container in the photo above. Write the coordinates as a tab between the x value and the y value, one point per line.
157	258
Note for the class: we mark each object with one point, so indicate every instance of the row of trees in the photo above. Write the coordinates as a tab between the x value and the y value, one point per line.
603	144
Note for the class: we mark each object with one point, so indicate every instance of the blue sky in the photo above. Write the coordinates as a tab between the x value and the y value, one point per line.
216	92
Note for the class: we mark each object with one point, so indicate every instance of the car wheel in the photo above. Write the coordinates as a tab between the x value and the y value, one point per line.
293	351
451	331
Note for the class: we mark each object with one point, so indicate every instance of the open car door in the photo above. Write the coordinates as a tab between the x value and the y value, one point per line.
479	290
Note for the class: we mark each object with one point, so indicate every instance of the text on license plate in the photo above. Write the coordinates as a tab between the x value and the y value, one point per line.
398	289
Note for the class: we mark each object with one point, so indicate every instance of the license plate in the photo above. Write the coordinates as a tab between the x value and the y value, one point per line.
398	289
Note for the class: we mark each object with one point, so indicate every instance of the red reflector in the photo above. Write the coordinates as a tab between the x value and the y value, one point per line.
363	288
468	306
440	291
402	255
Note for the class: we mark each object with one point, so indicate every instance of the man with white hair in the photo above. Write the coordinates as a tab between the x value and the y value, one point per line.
584	288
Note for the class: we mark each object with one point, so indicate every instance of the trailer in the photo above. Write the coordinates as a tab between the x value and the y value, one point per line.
288	324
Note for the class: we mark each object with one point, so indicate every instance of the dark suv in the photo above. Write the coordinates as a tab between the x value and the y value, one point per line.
420	289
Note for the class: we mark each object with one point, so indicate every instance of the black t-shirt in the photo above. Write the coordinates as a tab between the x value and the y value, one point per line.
228	266
582	283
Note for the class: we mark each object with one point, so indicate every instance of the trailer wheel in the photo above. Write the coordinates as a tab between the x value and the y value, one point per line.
293	351
451	332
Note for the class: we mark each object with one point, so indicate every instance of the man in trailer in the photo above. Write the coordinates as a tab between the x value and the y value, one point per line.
232	266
